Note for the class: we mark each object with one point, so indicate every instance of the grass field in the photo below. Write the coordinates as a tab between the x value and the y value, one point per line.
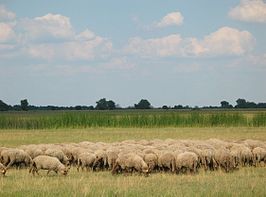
249	181
244	182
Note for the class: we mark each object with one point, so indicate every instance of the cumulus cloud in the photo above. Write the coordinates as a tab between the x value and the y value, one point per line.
49	37
6	32
249	11
171	19
161	47
47	26
72	50
6	15
225	41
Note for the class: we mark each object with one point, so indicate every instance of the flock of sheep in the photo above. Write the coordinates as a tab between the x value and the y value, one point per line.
145	157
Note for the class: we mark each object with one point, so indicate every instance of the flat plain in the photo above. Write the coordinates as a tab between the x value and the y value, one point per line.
247	181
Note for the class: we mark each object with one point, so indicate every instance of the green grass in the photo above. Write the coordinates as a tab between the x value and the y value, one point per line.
129	119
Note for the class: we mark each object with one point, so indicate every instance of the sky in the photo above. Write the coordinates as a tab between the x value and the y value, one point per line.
172	52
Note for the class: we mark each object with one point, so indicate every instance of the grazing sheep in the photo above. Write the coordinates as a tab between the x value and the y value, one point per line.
45	162
3	169
86	160
59	154
152	161
17	157
130	162
166	161
224	159
101	160
259	155
111	158
187	161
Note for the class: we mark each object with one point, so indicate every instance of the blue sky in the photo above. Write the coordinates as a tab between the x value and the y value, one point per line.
169	52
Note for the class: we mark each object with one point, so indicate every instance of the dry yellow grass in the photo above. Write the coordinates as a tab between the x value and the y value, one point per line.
248	181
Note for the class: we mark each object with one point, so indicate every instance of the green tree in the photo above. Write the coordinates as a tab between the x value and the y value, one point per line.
103	104
143	104
3	106
225	104
24	104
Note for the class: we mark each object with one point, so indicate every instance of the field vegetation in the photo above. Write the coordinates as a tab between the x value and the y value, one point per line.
18	128
130	118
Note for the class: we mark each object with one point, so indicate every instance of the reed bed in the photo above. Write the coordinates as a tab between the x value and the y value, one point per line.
129	119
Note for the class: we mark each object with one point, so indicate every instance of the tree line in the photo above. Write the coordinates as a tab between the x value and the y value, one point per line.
104	104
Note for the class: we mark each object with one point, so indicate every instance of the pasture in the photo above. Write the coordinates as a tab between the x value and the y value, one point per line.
247	181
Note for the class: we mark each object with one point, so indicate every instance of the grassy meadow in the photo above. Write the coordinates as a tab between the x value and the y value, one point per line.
19	128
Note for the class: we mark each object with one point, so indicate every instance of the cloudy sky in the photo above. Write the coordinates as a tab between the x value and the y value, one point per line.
169	52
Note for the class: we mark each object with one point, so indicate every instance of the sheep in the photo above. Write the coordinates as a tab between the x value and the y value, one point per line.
15	156
101	160
3	169
166	161
86	160
259	154
224	159
130	162
187	161
152	161
49	163
111	158
59	154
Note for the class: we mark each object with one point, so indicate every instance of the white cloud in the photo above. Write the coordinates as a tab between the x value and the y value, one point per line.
171	19
120	63
225	41
48	26
6	15
6	32
72	50
162	47
249	11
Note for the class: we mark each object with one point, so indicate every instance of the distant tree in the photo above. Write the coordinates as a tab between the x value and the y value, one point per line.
111	105
165	107
103	104
78	107
241	103
24	104
225	104
143	104
4	106
178	107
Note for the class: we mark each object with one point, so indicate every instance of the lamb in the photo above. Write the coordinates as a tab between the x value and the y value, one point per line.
3	169
10	157
45	162
86	160
187	161
166	161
